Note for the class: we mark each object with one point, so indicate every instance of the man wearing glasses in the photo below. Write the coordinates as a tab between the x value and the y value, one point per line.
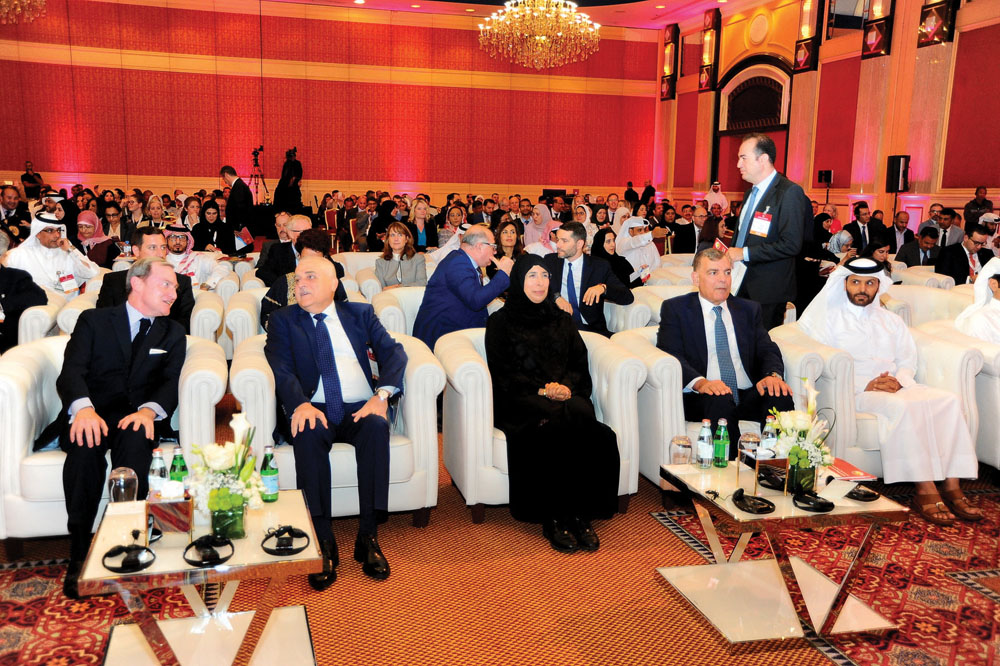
50	258
964	260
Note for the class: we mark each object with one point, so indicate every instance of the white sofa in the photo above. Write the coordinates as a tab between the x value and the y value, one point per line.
33	504
40	321
661	407
918	304
678	259
242	316
475	453
672	274
413	444
923	276
360	267
652	296
942	364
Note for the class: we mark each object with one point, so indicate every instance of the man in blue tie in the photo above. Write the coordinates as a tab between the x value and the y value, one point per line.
730	367
318	350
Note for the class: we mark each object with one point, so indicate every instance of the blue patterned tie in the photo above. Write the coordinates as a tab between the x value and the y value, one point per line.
328	371
727	371
748	218
571	292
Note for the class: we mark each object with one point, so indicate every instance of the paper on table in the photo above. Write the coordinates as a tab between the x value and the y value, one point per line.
836	489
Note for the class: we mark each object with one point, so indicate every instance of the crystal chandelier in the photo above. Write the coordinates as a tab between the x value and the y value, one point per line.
539	33
20	11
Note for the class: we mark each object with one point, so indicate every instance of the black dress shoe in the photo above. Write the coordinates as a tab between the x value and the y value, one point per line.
560	537
583	531
72	577
373	562
327	577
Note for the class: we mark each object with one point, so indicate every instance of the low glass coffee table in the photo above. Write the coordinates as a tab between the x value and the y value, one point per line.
210	637
752	600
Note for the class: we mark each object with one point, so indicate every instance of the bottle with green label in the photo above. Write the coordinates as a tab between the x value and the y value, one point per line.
721	457
178	468
269	475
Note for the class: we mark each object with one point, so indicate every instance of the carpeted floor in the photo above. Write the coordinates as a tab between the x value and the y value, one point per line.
496	593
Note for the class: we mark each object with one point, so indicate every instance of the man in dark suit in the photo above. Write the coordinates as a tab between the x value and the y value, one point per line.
772	228
730	367
239	209
899	235
282	258
922	251
455	297
964	260
281	229
15	219
119	379
863	229
148	243
345	217
580	283
318	351
18	292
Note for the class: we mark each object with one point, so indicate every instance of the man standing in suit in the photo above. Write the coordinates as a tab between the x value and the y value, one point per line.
730	367
922	251
239	209
148	243
318	351
899	235
772	225
863	229
581	283
282	259
964	260
119	378
455	297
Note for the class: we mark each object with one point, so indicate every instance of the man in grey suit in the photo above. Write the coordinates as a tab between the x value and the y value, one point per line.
921	251
945	223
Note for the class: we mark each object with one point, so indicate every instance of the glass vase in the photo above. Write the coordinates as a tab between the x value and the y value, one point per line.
801	479
228	523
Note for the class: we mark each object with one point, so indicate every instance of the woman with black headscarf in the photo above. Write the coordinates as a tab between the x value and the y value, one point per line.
563	464
212	233
605	247
377	228
67	212
808	276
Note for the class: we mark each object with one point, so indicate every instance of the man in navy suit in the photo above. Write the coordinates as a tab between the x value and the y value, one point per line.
455	297
318	351
730	367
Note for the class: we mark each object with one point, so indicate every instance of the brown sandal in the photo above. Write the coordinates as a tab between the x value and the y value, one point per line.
930	507
961	506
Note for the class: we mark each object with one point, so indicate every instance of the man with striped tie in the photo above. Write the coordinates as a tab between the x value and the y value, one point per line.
730	367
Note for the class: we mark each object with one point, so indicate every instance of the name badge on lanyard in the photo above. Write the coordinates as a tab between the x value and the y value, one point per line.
68	283
761	223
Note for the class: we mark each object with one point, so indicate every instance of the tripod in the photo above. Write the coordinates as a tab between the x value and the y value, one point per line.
256	180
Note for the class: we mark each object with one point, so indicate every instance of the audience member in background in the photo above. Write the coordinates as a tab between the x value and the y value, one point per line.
421	226
630	196
810	269
715	196
581	284
616	212
238	211
842	242
212	234
191	214
310	243
31	181
67	213
975	209
899	235
99	248
15	220
879	215
863	228
605	247
281	228
18	292
706	228
648	193
964	260
685	233
508	245
582	215
288	191
821	229
539	228
148	243
282	257
546	244
601	219
400	265
950	233
922	432
835	224
934	216
324	384
119	379
563	463
730	367
878	251
922	251
133	213
456	297
635	243
982	318
155	215
992	223
51	259
205	272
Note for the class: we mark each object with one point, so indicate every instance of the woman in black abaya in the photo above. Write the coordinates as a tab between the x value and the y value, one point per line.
563	463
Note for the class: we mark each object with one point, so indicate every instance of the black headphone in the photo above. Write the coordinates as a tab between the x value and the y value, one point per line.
133	560
207	548
284	537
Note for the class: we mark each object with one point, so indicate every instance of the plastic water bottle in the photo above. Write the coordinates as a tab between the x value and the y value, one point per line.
721	445
157	472
269	475
178	468
705	445
769	438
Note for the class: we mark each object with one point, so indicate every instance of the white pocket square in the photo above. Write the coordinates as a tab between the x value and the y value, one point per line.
157	351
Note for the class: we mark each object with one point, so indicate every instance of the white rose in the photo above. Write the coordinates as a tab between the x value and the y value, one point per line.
218	457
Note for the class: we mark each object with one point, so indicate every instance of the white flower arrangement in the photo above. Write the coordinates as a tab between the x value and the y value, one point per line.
802	435
223	476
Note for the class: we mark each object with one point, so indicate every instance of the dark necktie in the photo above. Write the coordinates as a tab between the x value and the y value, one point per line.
328	371
748	218
571	292
140	337
727	371
944	236
864	236
923	258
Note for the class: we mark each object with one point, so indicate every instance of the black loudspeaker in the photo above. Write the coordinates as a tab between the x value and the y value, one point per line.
825	176
897	174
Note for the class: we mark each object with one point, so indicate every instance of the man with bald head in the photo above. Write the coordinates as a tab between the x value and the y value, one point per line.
319	350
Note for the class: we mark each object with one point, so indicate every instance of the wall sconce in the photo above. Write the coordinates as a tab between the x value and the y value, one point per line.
709	50
877	30
668	79
937	23
807	46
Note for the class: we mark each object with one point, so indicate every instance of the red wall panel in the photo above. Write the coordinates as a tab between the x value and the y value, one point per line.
973	140
684	134
729	147
835	117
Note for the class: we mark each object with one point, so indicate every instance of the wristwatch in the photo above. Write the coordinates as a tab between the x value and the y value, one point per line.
383	394
776	375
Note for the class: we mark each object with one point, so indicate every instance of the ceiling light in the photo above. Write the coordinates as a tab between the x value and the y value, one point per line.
359	2
21	11
539	33
415	6
470	10
661	6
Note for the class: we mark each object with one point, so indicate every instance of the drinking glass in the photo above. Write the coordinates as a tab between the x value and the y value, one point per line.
680	450
123	485
749	444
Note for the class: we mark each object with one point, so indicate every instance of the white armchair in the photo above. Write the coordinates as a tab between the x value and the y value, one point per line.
397	308
661	407
475	453
368	283
652	296
241	268
923	276
354	262
33	503
680	259
941	363
918	305
413	444
40	321
249	280
242	315
670	275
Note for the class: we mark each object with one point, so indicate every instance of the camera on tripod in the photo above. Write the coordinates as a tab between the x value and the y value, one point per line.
256	154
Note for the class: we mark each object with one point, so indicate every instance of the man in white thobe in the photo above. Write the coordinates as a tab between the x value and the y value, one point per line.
205	272
715	196
982	318
923	436
635	243
50	258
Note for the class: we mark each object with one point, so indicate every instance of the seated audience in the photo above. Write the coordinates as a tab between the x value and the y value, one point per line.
456	297
923	436
945	221
922	251
310	243
212	234
842	242
964	260
204	271
685	233
18	292
582	215
282	257
113	224
508	245
281	228
133	213
421	226
899	235
154	214
547	243
15	220
384	216
810	269
51	259
580	284
635	243
540	226
190	216
67	213
563	463
730	367
982	318
116	392
601	220
605	247
878	250
99	248
863	228
400	265
324	385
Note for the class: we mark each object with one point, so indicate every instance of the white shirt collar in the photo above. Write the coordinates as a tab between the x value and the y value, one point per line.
763	185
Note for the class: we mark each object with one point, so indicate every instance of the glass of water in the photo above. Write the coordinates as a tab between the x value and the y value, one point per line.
123	485
680	450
